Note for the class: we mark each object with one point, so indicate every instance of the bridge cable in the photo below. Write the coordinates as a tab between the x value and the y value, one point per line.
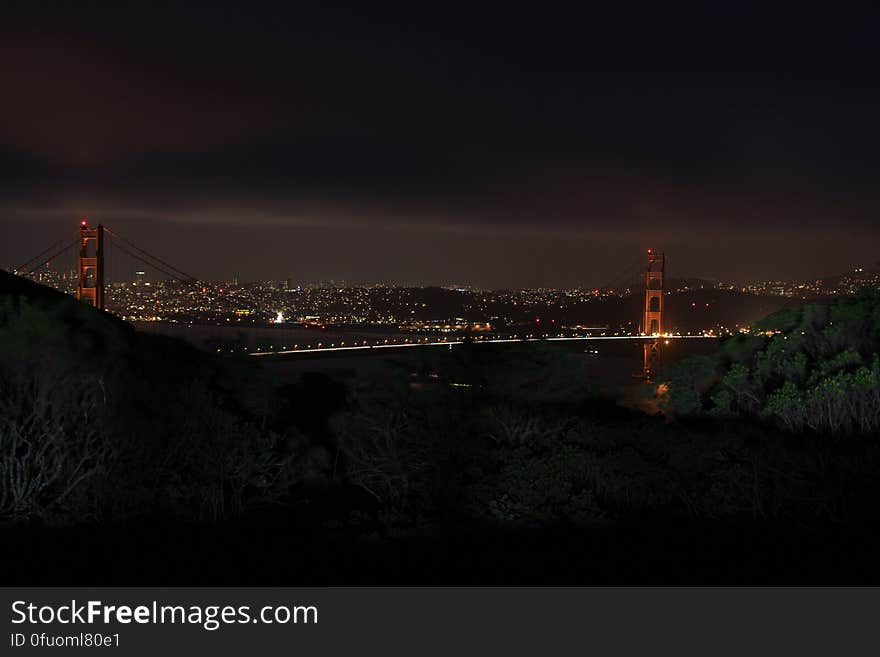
25	265
628	276
151	264
53	256
180	275
142	260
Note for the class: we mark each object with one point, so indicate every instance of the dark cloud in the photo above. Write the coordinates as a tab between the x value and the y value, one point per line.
534	145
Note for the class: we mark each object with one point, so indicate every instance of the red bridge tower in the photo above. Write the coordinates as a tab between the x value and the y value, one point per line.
653	320
90	265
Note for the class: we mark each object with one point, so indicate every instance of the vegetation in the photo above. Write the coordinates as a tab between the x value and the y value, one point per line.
101	424
812	369
432	452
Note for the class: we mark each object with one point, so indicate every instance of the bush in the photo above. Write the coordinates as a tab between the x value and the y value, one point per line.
100	423
813	375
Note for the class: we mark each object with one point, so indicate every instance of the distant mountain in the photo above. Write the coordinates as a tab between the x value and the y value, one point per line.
868	274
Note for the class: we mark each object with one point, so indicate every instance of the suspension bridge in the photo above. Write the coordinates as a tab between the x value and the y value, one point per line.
94	246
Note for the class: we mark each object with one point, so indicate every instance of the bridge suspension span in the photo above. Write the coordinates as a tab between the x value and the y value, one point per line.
92	255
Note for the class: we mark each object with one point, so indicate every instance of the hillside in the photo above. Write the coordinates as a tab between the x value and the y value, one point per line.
99	421
418	463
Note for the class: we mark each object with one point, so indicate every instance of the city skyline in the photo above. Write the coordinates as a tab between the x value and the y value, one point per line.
133	270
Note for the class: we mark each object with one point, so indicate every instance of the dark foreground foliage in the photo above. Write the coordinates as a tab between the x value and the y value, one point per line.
100	423
135	458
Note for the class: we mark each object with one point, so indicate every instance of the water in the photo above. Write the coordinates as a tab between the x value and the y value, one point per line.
612	366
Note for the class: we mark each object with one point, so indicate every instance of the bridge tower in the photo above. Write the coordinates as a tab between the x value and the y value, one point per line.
653	319
90	265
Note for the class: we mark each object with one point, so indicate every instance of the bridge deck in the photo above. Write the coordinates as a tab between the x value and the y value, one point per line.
452	343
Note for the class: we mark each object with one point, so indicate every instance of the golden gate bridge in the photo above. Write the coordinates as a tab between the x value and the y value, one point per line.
91	244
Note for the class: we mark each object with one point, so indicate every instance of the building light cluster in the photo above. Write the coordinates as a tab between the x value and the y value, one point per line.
344	315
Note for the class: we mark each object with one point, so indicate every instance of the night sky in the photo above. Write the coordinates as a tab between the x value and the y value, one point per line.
428	143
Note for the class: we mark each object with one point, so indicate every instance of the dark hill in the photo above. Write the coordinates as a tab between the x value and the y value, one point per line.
108	422
62	307
19	286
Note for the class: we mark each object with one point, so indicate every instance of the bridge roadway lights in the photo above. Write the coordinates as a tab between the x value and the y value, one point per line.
451	343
